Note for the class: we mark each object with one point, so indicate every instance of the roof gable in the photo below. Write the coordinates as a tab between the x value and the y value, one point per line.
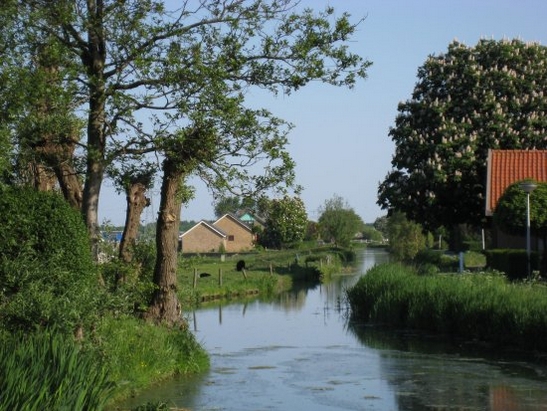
506	167
207	226
233	219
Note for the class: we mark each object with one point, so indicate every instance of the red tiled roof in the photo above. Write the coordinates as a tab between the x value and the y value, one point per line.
506	167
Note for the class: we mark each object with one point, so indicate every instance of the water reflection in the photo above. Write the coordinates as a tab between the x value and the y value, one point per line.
298	352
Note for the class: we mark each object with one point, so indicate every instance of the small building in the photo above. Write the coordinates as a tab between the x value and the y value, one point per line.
228	234
240	235
203	238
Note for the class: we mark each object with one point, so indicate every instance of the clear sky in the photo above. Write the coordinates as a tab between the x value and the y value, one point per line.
340	141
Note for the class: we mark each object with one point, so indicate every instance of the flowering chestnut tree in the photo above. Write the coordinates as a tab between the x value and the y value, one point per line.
466	101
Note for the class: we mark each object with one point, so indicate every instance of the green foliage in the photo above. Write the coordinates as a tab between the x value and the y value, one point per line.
338	222
47	276
372	234
43	371
184	71
510	213
481	306
286	223
466	101
512	262
405	237
140	354
380	224
227	205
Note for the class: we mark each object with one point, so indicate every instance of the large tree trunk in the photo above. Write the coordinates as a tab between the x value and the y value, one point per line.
136	202
93	58
165	306
70	184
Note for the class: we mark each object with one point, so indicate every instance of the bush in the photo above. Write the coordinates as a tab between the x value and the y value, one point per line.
47	276
513	262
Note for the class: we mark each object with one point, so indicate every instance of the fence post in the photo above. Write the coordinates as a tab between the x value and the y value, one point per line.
195	278
220	277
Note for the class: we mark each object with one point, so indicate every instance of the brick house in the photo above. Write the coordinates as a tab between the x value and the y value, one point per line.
202	238
506	167
228	233
240	236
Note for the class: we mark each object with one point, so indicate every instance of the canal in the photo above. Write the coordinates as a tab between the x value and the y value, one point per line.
299	352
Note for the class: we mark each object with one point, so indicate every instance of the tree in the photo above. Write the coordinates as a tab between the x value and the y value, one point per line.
510	213
136	60
466	101
405	237
380	224
372	234
338	222
173	82
286	223
228	204
135	182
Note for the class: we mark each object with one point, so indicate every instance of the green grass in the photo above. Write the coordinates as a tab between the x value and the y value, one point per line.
479	306
139	354
267	273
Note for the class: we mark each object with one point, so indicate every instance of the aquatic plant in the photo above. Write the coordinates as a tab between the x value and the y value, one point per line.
482	306
45	371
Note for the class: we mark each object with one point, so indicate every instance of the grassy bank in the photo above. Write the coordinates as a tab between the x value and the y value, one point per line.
47	370
138	354
477	306
266	273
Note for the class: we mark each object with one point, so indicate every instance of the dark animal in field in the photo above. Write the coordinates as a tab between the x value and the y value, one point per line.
240	266
205	275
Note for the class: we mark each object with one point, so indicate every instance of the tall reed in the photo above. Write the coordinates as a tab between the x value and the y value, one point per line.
480	306
44	371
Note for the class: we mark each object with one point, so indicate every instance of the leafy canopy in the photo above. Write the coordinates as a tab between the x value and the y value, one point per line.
286	223
466	101
338	222
510	212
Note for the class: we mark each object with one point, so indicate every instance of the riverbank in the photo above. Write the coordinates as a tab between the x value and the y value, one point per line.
266	273
203	279
481	306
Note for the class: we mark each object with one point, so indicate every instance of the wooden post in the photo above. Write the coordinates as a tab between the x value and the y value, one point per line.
220	277
271	269
244	273
195	278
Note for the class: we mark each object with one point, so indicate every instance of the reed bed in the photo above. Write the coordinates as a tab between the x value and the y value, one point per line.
481	306
44	371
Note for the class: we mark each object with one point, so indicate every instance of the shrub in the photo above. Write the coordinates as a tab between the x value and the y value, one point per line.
47	276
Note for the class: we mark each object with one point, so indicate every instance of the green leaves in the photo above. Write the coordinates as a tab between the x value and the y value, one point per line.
466	101
286	223
338	222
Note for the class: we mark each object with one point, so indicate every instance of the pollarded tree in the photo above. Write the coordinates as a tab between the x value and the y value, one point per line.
466	101
286	223
139	67
338	222
174	82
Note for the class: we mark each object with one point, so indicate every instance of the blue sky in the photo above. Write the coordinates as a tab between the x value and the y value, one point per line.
340	142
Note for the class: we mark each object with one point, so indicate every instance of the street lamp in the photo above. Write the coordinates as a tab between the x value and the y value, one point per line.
528	187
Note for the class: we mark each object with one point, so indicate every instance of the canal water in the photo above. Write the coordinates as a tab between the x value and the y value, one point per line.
300	353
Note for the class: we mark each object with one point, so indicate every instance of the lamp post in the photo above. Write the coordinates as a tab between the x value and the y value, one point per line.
528	187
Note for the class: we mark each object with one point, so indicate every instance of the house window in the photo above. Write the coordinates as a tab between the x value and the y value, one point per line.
230	238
